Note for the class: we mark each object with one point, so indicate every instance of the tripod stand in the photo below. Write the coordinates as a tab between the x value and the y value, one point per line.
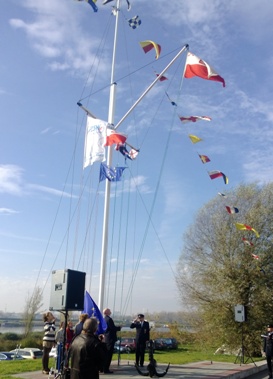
243	351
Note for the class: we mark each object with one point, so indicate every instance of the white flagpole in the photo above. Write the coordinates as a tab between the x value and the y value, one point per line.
111	111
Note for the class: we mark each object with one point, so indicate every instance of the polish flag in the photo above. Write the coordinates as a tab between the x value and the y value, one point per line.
197	67
113	137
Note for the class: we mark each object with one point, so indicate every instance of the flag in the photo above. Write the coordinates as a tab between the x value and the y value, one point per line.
246	227
113	174
197	67
134	22
149	45
113	137
128	5
91	308
162	78
92	3
218	174
95	137
172	102
194	139
132	154
247	242
232	210
185	119
204	158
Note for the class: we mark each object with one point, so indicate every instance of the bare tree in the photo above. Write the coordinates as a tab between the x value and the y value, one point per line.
33	304
218	270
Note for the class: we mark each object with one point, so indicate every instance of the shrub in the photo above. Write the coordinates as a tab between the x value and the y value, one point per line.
10	337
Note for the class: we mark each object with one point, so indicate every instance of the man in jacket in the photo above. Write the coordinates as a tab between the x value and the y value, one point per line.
142	336
110	337
87	352
268	348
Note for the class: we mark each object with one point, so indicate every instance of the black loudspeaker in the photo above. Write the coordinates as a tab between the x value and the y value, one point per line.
67	290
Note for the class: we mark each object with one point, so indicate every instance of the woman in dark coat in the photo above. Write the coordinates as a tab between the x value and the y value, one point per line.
87	352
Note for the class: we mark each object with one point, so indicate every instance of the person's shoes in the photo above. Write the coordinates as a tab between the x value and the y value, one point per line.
141	365
45	372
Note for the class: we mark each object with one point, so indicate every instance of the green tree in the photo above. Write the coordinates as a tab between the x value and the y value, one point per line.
217	270
32	305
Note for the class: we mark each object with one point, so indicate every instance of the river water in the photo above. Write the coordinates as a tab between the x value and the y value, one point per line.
18	329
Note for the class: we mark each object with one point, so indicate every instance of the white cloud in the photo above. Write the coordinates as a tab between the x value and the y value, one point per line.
11	179
7	211
13	183
49	190
56	33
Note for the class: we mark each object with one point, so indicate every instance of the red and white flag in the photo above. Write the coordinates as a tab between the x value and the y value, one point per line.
247	242
197	67
185	119
113	137
255	256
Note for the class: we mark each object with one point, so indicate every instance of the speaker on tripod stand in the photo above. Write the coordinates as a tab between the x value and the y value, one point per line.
241	316
67	294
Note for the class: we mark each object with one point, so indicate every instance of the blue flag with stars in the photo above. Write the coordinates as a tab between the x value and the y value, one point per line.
91	308
113	174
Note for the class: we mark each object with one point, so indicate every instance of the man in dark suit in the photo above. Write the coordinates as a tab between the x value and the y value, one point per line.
268	348
110	337
142	336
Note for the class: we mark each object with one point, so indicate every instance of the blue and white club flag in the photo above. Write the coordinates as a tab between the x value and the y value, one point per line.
134	22
95	138
113	174
91	308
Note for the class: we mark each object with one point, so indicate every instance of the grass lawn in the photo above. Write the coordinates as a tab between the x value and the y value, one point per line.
187	354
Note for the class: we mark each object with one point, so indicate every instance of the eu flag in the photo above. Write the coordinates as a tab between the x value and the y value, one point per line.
113	174
91	308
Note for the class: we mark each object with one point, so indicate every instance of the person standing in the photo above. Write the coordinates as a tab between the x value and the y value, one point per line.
48	339
268	348
59	338
110	337
86	352
142	336
79	325
69	334
60	334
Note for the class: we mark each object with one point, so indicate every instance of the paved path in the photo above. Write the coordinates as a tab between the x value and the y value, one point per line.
198	370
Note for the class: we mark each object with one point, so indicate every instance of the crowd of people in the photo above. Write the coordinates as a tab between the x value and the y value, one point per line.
86	352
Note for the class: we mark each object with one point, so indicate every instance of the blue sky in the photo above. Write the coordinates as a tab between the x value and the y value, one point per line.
55	53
